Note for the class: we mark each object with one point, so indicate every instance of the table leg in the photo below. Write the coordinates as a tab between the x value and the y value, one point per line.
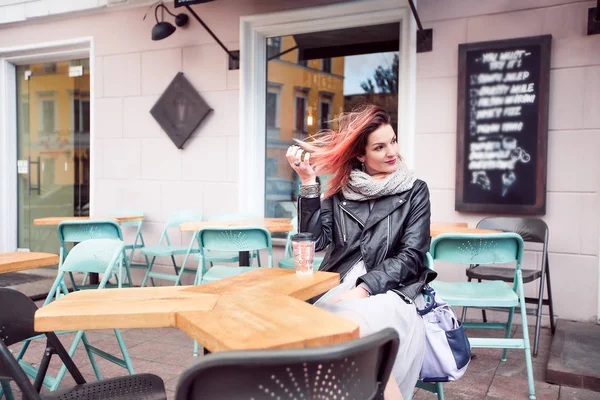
94	278
244	258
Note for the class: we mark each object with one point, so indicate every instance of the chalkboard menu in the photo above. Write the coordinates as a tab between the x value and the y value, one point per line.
503	126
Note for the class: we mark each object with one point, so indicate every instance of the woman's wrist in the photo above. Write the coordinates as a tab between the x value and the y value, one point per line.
309	181
310	190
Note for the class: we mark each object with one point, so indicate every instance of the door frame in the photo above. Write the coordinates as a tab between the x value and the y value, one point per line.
10	57
254	31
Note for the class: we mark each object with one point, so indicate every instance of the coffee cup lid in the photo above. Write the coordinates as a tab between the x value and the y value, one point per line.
303	236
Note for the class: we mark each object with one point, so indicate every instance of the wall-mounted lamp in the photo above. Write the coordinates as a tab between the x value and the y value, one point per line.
165	29
309	117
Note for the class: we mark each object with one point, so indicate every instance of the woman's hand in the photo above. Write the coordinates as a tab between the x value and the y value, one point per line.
305	171
356	293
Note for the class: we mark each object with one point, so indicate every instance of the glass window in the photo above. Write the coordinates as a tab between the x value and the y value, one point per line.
325	114
273	46
272	109
48	121
304	63
326	65
300	124
301	101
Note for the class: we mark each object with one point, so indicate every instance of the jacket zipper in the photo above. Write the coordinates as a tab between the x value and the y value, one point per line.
387	242
344	228
353	217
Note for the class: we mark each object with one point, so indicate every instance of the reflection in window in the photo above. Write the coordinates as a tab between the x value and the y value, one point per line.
273	46
272	110
47	116
325	114
300	125
304	96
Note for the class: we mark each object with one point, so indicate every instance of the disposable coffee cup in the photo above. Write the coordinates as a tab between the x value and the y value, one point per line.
303	247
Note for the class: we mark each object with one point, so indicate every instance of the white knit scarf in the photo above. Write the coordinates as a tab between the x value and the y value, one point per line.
362	186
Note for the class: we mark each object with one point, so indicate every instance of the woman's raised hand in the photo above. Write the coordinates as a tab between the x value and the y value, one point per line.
305	171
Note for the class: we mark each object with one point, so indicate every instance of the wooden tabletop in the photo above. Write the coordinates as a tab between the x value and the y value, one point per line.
273	225
263	309
50	221
21	261
457	227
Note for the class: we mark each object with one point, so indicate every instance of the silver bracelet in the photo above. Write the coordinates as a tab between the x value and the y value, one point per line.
310	190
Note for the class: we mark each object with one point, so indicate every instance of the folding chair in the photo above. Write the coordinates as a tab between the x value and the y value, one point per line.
229	257
138	239
486	249
79	231
532	230
17	323
358	369
103	256
168	250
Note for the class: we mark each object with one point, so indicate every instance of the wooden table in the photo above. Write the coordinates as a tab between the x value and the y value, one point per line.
263	309
54	221
457	227
21	261
273	225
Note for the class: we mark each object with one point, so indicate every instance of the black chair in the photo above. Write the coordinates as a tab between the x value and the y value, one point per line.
357	369
16	324
532	230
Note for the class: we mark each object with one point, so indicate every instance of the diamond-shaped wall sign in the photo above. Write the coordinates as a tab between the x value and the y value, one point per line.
180	110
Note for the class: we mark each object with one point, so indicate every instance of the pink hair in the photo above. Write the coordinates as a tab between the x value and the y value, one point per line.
335	152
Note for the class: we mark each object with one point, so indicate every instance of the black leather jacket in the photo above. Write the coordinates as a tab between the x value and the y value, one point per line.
392	238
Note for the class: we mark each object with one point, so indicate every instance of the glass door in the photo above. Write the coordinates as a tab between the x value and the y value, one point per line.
53	141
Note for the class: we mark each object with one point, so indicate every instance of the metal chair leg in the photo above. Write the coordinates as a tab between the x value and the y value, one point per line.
550	305
463	316
483	314
540	308
7	390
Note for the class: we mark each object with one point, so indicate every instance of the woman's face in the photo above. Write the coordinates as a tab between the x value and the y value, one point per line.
381	154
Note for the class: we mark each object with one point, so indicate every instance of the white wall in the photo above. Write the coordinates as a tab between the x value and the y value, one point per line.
573	199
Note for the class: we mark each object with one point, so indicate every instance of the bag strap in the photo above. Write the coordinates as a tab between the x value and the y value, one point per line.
427	291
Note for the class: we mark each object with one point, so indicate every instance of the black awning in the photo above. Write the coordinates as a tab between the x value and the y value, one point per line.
348	42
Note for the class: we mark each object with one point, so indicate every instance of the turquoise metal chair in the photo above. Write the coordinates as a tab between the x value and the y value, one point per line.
486	249
102	256
288	261
226	239
214	240
79	231
138	240
164	248
229	257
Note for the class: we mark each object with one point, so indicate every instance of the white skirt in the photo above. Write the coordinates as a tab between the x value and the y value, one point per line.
375	313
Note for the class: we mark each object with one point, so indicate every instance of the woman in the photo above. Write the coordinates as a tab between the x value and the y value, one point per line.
375	219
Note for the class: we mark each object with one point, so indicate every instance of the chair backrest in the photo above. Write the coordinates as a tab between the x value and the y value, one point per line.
531	229
16	316
358	369
17	325
230	239
177	218
94	255
79	231
469	248
128	213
